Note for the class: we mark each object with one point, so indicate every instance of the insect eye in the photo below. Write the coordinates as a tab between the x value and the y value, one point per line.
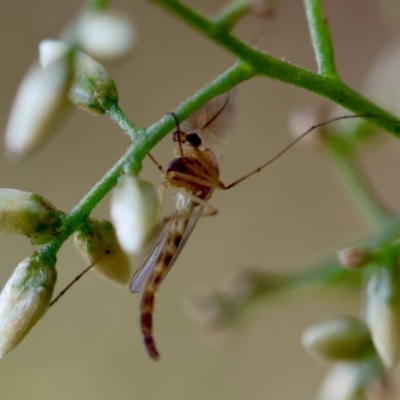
193	139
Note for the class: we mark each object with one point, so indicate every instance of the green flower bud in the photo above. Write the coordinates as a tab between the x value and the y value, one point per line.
383	314
106	35
338	339
134	212
28	214
25	299
92	87
98	244
39	107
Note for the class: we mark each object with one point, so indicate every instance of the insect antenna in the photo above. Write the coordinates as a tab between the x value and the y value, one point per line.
291	144
76	279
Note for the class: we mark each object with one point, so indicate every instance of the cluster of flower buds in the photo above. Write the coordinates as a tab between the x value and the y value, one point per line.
64	72
98	245
25	299
358	372
28	214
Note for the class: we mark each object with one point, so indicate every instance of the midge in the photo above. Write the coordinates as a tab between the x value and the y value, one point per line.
193	174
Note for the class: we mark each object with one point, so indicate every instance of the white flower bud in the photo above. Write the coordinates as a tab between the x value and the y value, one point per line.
28	214
338	339
98	244
92	87
134	212
383	314
106	35
25	299
39	107
51	51
365	380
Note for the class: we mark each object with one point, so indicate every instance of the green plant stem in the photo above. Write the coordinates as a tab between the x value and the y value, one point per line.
231	14
83	209
320	38
364	198
330	273
266	65
118	116
325	274
223	83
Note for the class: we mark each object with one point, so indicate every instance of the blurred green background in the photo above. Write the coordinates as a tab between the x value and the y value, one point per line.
89	345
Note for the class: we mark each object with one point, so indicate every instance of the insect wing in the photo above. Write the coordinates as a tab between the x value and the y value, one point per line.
146	266
189	229
144	269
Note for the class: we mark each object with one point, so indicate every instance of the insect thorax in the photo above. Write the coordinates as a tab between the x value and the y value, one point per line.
200	164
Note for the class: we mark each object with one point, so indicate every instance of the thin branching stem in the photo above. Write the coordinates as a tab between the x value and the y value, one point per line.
320	39
251	63
283	71
118	116
231	14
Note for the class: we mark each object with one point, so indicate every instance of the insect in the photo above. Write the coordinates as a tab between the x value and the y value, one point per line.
194	175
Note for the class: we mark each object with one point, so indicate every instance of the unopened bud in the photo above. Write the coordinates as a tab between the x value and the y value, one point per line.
134	212
28	214
98	244
51	51
383	314
338	339
106	35
353	257
92	87
39	107
363	380
25	299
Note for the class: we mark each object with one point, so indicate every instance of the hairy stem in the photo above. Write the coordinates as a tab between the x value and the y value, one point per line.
320	39
271	67
231	14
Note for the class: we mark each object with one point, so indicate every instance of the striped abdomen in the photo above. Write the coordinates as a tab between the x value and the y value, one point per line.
160	269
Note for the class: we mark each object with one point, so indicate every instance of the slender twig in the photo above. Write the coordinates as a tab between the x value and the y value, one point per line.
283	71
118	116
231	14
320	38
